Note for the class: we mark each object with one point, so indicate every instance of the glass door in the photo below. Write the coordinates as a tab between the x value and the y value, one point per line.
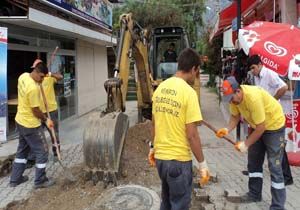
66	88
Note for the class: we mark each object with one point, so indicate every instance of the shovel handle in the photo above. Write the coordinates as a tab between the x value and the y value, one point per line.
51	129
215	131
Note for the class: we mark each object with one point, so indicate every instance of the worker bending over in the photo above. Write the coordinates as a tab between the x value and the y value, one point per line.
265	115
31	134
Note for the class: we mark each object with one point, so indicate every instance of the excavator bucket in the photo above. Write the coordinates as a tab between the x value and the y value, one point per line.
103	141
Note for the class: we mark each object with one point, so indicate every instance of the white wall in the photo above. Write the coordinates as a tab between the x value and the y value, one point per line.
91	62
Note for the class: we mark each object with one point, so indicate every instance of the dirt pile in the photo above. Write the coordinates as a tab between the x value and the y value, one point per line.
82	194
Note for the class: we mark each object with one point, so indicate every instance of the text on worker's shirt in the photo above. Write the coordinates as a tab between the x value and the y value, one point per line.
167	103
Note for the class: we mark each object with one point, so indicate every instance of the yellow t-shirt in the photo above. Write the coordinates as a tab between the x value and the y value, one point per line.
259	106
175	104
48	86
28	98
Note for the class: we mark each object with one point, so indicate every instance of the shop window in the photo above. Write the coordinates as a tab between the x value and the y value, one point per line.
66	88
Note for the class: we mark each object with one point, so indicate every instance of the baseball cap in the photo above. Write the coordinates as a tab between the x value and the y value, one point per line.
36	62
229	86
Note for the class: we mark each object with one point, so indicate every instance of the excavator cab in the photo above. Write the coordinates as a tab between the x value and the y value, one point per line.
166	44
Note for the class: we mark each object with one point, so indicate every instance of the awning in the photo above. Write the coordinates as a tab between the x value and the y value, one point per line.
229	13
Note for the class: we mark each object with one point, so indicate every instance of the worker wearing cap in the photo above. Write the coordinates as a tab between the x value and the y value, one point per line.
271	82
265	115
48	86
175	115
31	134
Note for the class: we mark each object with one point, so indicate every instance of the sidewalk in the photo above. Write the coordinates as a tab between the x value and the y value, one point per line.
223	159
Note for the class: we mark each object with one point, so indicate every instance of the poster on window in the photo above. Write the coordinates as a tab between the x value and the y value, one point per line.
293	135
98	12
3	83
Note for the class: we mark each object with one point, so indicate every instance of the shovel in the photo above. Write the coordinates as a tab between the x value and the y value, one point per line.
67	172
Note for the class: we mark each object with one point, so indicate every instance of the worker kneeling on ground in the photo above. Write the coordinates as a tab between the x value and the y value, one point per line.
176	135
265	115
31	134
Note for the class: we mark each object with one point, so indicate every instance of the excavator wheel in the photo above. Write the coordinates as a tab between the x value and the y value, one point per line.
103	141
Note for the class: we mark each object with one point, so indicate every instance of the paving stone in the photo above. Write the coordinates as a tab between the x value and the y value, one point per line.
232	195
201	195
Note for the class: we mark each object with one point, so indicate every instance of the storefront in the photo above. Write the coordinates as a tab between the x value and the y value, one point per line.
81	58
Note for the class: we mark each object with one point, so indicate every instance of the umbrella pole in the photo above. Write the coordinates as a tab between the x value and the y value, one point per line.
293	120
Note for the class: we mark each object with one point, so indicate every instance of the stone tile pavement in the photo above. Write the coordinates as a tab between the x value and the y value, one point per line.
71	154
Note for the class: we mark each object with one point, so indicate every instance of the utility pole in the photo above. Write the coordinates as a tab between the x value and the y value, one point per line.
238	60
239	13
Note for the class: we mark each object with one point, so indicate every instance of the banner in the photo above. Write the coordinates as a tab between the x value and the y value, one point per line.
98	12
3	83
293	135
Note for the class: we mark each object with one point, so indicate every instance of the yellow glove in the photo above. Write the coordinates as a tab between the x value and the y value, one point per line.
151	158
204	173
241	147
222	132
49	123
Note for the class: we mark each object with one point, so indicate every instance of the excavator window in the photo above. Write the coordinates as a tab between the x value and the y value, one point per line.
166	44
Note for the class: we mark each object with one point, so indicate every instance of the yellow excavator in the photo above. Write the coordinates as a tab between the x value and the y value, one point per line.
104	136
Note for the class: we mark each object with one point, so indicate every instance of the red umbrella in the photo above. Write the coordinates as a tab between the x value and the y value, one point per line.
277	44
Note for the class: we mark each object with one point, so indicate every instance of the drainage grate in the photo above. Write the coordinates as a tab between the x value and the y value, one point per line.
127	197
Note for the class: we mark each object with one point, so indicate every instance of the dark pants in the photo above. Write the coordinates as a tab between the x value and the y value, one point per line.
54	118
30	139
272	143
176	178
287	173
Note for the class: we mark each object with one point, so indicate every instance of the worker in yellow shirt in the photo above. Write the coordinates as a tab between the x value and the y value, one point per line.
48	86
31	134
175	115
265	115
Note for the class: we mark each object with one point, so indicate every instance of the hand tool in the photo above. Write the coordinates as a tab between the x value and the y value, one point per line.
68	174
215	131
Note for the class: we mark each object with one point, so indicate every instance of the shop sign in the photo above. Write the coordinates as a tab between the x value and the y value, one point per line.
67	85
98	12
293	135
3	83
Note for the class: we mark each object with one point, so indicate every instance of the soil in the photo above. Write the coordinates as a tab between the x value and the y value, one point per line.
82	194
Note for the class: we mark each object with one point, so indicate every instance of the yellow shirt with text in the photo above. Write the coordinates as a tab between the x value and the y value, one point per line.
28	98
259	106
175	104
48	86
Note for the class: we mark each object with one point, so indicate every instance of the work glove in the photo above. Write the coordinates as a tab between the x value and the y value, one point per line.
151	158
241	147
222	132
204	173
49	123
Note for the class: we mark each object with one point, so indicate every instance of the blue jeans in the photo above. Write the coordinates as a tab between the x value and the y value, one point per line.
30	139
176	179
272	143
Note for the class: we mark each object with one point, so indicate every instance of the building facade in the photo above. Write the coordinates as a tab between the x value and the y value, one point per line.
80	29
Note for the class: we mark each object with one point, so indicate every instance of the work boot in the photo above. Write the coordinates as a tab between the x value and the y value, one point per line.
48	183
23	179
248	199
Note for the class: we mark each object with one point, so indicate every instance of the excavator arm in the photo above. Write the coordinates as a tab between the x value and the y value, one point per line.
104	136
